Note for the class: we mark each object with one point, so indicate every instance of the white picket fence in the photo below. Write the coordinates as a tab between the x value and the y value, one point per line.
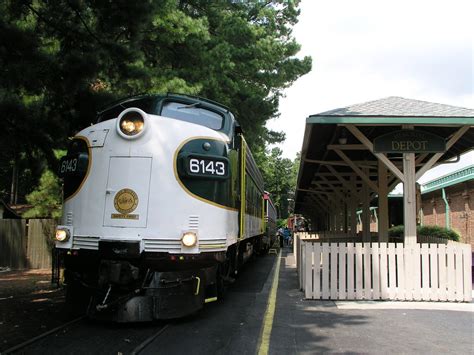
385	271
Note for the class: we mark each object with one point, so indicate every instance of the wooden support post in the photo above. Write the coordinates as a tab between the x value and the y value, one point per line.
346	215
365	212
353	206
409	198
331	217
337	217
383	203
328	221
341	214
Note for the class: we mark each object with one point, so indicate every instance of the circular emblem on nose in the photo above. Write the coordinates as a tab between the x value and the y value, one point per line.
125	201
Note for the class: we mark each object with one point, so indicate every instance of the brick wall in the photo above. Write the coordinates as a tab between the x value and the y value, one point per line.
461	203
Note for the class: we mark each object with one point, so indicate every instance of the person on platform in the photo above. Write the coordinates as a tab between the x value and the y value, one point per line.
287	236
281	236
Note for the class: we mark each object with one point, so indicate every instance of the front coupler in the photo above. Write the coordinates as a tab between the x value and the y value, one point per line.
160	295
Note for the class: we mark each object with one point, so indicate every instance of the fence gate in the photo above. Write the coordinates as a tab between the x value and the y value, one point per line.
40	242
13	243
26	244
385	271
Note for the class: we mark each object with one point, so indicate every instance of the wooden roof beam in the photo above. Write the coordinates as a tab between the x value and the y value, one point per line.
345	183
346	174
331	191
347	147
331	183
359	172
382	157
339	194
436	156
316	192
363	164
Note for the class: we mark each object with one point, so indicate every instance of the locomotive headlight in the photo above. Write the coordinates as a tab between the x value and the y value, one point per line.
62	235
131	123
189	239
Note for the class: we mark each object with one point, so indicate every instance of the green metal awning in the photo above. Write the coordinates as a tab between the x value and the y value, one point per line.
456	177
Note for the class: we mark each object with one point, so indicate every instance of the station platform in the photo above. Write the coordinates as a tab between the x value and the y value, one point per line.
302	326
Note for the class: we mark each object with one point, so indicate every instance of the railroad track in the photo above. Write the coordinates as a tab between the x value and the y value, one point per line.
41	336
149	340
31	342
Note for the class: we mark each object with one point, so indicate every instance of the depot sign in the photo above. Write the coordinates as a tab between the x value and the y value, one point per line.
409	141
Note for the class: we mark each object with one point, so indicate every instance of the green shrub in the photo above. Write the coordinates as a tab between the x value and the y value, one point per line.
426	231
438	232
396	232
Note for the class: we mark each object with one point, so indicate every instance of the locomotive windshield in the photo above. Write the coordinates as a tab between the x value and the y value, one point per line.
193	113
183	108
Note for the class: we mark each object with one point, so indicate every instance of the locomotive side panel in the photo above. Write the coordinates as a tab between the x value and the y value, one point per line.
251	186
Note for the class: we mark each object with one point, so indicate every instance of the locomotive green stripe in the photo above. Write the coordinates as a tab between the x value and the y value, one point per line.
219	193
72	185
242	191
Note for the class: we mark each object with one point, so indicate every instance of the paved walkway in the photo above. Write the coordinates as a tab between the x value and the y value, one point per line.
306	326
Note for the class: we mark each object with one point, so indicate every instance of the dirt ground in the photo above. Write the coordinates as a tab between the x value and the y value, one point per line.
29	305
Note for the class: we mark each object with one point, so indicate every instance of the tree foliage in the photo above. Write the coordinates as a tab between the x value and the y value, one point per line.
46	199
60	61
280	179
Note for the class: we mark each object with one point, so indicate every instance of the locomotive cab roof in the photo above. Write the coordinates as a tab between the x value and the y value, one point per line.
154	104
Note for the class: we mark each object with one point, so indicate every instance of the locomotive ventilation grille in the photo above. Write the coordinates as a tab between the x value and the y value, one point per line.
174	246
162	245
69	219
193	222
85	243
210	245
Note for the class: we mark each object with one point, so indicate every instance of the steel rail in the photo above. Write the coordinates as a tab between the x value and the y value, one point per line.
41	336
147	341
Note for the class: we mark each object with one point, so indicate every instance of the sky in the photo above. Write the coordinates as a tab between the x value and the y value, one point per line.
366	50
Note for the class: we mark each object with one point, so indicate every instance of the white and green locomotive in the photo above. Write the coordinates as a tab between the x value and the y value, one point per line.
163	203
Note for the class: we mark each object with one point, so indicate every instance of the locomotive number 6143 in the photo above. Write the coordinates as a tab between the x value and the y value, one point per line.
207	167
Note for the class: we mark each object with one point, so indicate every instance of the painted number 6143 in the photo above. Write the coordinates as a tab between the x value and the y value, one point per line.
69	165
207	167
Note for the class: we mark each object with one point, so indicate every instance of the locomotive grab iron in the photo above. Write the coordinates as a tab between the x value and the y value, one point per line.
163	203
